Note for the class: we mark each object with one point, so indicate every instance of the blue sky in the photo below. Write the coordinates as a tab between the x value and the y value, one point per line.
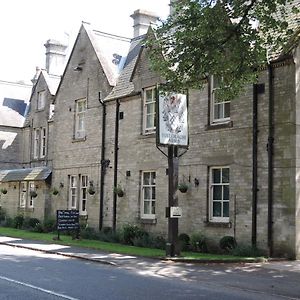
26	25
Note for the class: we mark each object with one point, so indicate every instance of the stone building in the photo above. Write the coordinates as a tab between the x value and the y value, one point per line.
241	166
28	182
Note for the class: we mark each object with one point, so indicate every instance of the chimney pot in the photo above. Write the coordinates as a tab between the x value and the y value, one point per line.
55	57
141	21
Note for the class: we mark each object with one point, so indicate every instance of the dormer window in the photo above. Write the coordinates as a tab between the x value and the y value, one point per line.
41	100
149	113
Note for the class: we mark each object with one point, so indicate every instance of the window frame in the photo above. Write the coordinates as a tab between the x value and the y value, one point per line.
212	184
83	192
31	187
23	192
43	142
73	192
80	116
151	199
213	119
146	104
36	143
41	100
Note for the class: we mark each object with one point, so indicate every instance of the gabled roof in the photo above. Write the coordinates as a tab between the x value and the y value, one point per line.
110	50
14	98
124	86
29	174
52	81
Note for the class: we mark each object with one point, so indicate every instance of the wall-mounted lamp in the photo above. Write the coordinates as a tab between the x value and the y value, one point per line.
196	182
61	184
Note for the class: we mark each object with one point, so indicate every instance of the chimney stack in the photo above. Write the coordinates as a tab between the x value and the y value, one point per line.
141	21
55	57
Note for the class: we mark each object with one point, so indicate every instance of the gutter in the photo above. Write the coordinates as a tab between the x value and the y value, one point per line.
103	164
270	149
116	149
254	167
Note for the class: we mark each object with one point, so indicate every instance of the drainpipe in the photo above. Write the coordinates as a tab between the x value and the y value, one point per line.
254	167
103	165
116	149
270	159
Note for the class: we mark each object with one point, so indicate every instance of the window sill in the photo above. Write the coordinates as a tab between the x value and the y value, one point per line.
147	135
213	126
75	140
218	224
26	209
148	221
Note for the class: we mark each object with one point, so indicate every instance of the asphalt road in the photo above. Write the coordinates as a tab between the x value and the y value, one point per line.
27	274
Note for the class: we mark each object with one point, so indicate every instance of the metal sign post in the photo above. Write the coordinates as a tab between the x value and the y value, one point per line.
172	131
172	248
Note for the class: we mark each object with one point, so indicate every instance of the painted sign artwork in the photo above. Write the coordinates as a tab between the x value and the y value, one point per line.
173	119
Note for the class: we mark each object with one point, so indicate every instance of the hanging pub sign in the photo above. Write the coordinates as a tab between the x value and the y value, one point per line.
172	127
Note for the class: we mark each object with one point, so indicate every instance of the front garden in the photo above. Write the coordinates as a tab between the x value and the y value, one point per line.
130	239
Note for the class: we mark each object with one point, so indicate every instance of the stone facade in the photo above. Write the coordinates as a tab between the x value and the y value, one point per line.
90	96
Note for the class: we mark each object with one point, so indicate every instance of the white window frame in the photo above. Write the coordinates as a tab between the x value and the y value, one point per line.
41	100
83	195
152	198
43	142
214	102
36	143
146	104
212	185
31	188
80	111
73	192
23	194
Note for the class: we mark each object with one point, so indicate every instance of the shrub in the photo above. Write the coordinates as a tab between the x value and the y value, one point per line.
131	232
18	221
89	233
227	243
108	235
2	214
49	225
30	223
184	241
159	242
199	242
247	250
9	222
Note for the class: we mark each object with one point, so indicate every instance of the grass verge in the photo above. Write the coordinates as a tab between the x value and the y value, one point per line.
114	247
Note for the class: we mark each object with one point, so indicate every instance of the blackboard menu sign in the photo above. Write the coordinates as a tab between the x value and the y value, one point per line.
67	219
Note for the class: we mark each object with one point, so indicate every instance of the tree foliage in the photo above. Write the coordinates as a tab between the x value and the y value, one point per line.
227	38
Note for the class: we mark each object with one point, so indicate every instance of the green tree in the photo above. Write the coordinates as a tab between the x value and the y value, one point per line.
230	39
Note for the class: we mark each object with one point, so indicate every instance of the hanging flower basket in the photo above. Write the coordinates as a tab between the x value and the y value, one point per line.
91	190
183	187
33	194
119	191
55	191
3	191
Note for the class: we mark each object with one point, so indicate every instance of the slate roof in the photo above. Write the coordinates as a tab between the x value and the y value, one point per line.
29	174
111	51
14	98
124	86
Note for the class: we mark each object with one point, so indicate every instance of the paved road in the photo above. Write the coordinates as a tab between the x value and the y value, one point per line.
27	274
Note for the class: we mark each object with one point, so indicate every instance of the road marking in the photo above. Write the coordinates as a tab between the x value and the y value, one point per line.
37	288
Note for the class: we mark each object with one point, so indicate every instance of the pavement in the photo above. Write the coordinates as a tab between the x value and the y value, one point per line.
127	261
